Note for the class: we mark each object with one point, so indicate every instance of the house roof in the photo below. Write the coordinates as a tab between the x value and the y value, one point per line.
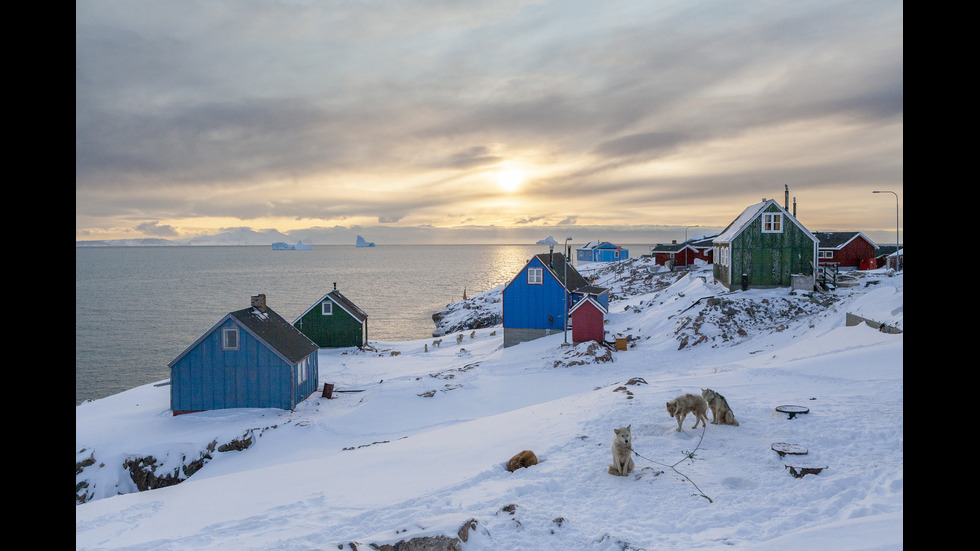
885	250
597	245
576	283
588	299
749	215
340	300
703	242
268	327
276	332
838	239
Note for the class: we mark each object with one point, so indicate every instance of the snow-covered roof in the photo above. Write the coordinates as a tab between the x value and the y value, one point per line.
750	214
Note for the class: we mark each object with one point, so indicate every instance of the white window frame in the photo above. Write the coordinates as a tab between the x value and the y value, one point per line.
772	222
722	255
301	369
535	276
825	254
226	343
326	308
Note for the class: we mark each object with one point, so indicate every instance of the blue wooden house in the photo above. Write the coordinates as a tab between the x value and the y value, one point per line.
536	302
251	358
604	251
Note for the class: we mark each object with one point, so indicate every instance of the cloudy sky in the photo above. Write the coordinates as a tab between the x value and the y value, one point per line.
486	121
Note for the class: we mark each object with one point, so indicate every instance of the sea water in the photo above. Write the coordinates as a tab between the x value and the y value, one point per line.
137	308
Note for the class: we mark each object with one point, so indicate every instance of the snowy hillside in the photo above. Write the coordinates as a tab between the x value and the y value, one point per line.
413	445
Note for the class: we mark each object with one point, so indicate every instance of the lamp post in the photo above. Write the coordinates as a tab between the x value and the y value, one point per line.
897	246
565	285
685	231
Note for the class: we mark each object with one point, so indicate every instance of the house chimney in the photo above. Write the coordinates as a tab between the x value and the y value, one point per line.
258	302
334	285
551	256
794	207
786	197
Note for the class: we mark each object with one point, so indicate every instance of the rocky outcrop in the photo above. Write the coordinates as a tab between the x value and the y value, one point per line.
149	472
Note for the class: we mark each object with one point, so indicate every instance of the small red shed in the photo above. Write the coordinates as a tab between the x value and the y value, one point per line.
588	318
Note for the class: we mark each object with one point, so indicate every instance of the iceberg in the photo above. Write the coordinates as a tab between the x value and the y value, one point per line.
362	243
549	241
283	246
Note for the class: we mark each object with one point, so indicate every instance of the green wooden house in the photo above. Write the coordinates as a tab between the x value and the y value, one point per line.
763	248
334	322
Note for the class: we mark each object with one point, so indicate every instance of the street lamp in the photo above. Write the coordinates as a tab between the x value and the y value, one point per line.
685	231
897	246
565	284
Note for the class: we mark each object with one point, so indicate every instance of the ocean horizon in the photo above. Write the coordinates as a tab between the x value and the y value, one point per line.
138	307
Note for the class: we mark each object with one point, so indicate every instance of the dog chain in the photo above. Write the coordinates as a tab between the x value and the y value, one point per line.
675	469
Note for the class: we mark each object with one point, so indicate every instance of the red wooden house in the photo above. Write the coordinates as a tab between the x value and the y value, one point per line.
683	254
848	250
588	320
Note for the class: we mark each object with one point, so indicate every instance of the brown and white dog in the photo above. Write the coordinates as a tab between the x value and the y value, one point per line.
679	407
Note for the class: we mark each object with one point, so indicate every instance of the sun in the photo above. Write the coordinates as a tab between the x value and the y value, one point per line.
510	179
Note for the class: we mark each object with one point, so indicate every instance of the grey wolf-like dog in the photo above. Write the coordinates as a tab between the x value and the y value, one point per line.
721	414
679	407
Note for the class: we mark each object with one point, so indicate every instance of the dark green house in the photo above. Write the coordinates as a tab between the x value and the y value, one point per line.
764	247
334	322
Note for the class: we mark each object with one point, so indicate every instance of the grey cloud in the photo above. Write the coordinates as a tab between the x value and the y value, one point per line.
153	228
476	156
650	144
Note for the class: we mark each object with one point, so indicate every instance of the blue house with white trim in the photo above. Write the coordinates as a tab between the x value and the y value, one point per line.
536	302
595	251
251	358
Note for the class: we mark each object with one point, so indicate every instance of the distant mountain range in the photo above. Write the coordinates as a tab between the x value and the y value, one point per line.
238	236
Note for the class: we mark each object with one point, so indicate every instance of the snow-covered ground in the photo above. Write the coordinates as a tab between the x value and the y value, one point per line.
420	451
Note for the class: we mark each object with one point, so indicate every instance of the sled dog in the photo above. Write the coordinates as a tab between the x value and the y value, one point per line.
721	414
622	449
679	407
522	460
436	343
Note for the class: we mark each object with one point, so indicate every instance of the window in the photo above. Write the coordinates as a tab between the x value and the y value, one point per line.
301	370
326	308
772	223
229	338
825	254
721	256
535	276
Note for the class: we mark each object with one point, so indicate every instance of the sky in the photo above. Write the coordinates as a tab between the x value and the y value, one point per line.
484	121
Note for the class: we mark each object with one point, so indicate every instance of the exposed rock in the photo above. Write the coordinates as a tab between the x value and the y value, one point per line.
424	543
464	530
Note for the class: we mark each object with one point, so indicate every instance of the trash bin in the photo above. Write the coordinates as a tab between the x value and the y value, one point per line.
745	282
327	390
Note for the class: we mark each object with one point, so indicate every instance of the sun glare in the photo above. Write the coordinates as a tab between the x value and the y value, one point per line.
510	179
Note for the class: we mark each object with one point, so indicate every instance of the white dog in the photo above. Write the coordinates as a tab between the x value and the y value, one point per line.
622	449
